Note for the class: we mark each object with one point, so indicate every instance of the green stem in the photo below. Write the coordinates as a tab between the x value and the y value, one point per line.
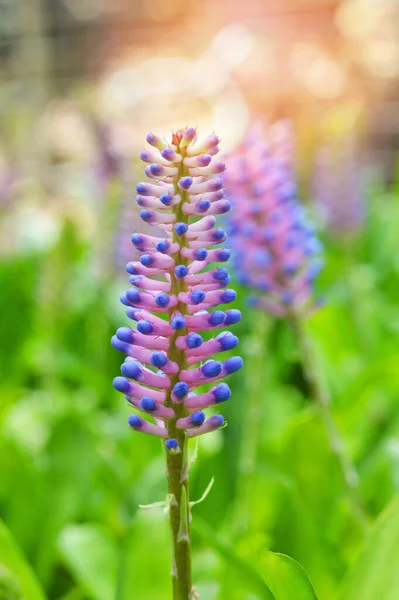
321	396
177	463
252	426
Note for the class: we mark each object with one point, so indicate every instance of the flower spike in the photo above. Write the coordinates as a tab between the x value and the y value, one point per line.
277	252
167	358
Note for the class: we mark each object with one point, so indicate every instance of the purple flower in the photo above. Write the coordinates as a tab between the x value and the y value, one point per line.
338	189
276	249
173	292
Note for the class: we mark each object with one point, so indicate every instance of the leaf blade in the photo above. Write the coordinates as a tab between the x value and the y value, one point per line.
286	578
12	558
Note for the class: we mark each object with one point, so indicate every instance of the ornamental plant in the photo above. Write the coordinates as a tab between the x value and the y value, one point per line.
338	190
171	301
278	256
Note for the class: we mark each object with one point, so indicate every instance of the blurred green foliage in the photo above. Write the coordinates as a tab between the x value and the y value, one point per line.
72	474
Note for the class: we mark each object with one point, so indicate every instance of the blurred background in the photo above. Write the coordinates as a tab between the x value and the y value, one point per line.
81	83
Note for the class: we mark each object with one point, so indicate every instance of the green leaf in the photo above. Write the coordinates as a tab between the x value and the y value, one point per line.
375	572
286	578
91	555
12	558
145	559
247	571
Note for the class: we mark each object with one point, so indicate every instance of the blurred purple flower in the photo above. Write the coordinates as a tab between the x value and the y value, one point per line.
337	189
276	249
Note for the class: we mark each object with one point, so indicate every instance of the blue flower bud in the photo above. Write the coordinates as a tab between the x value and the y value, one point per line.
148	404
146	215
137	240
180	228
181	271
172	444
145	327
135	421
212	368
168	154
162	246
227	340
218	420
201	253
197	296
125	334
178	322
131	369
185	182
155	169
166	199
220	274
232	316
146	260
203	205
222	392
133	295
130	268
224	255
158	359
233	364
217	317
228	296
141	188
219	234
121	384
194	340
180	389
197	418
162	299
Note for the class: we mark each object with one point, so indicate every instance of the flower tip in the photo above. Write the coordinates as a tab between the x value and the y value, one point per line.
121	384
135	422
146	215
162	299
228	296
227	340
197	418
217	317
217	421
137	240
158	359
172	445
124	334
185	183
146	260
131	369
178	322
144	327
194	340
221	392
180	389
148	404
130	268
180	228
233	364
181	271
212	368
232	316
197	296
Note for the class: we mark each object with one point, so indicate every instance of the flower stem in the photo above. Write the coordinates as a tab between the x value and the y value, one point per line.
321	396
179	514
177	463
